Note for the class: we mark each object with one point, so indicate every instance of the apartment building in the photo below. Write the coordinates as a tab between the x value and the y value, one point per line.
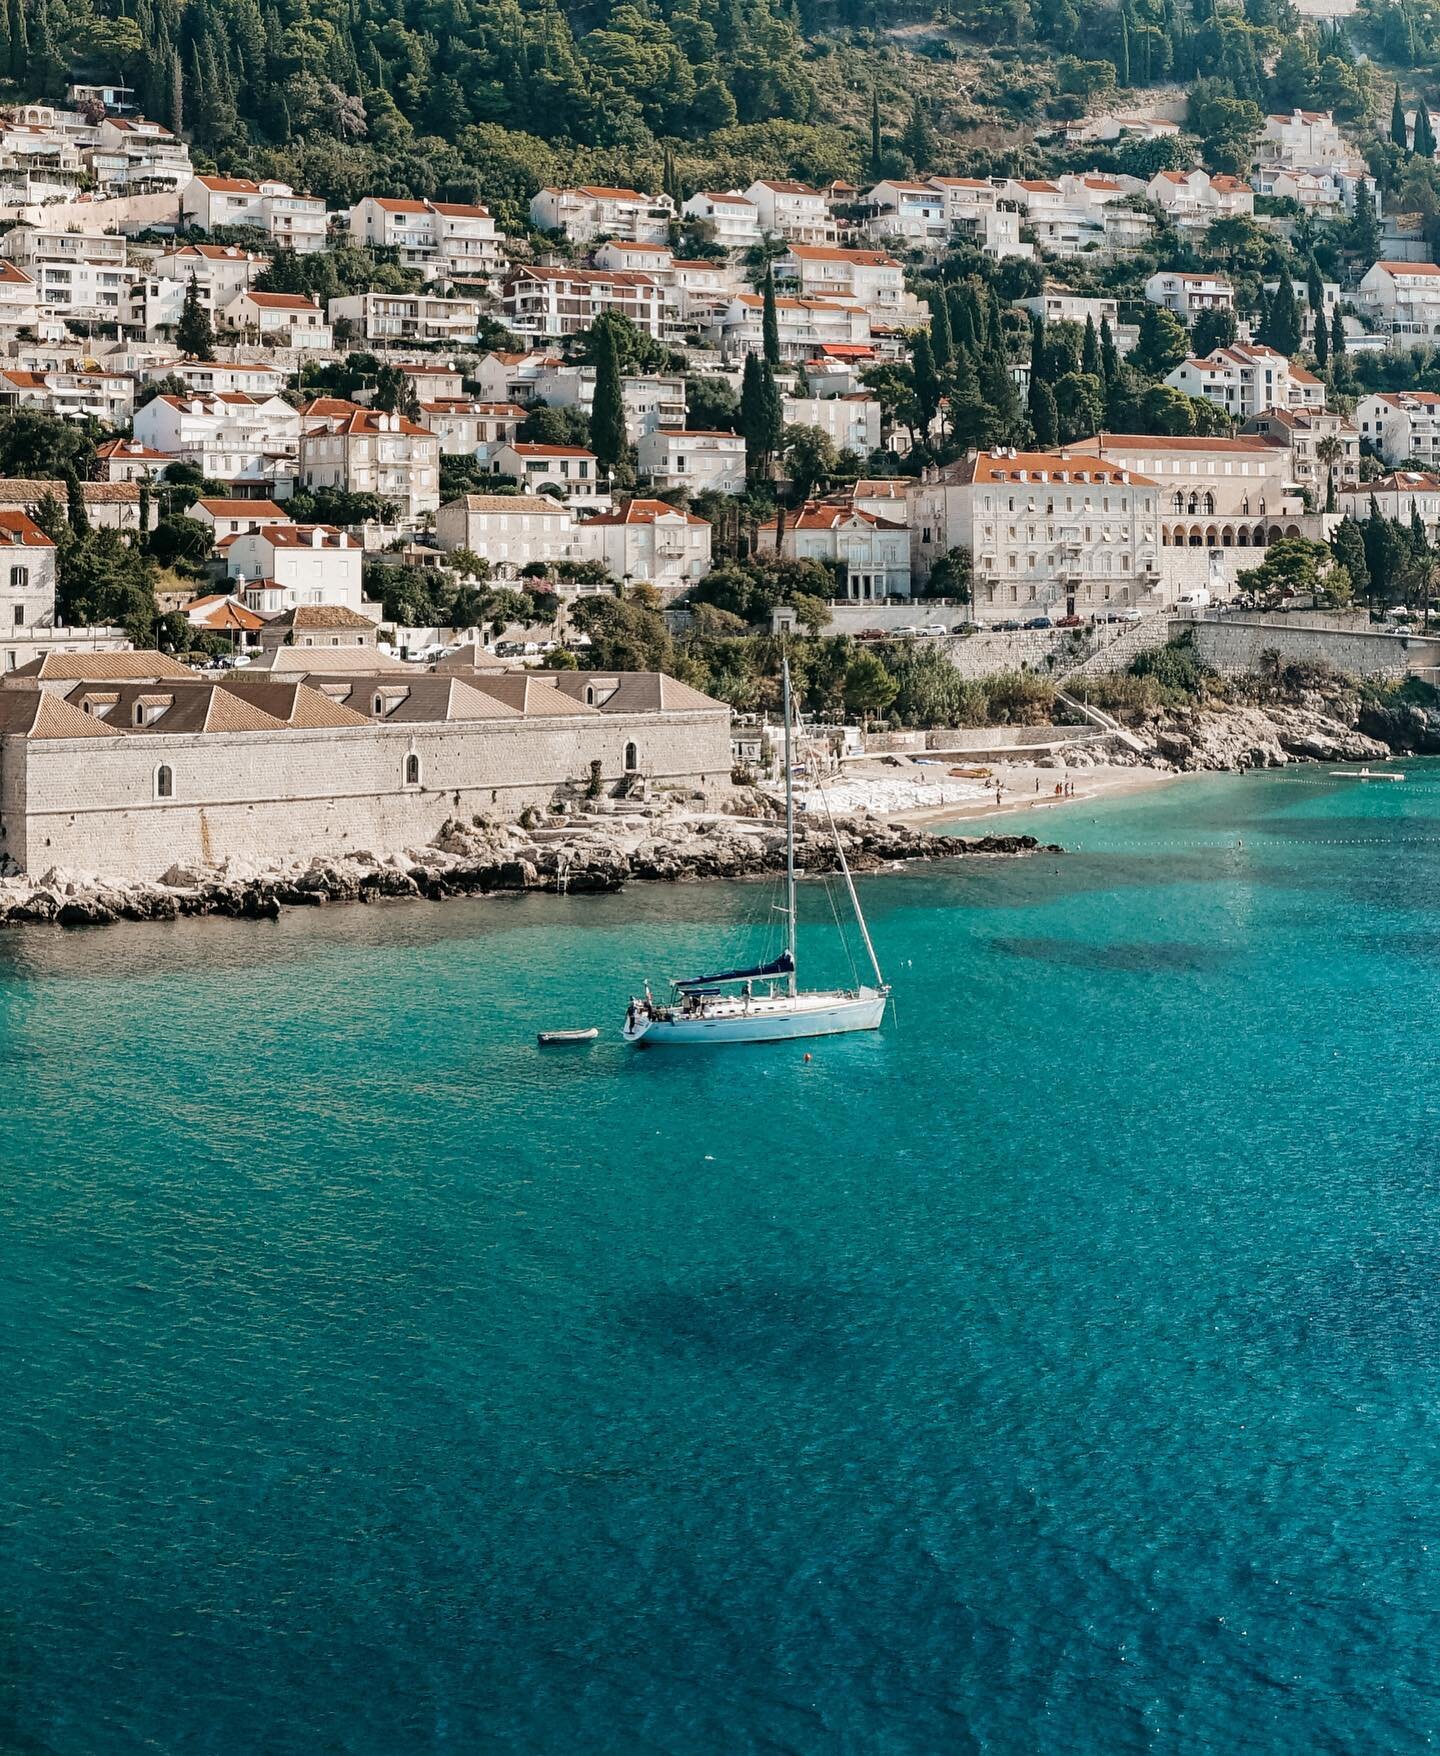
107	397
871	278
1403	300
1049	532
1302	433
367	451
1189	294
570	470
1214	493
512	531
584	215
786	209
702	462
1193	200
230	518
807	326
281	566
1246	379
557	302
247	442
441	239
648	540
132	156
19	301
1401	425
851	422
250	377
417	317
219	271
471	429
1325	191
733	219
27	575
294	222
651	400
1303	137
912	214
77	276
281	320
127	460
1403	495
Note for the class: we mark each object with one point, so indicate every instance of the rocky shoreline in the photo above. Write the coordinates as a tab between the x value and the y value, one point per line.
582	854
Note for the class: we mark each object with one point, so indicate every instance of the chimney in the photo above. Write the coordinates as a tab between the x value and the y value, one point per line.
317	538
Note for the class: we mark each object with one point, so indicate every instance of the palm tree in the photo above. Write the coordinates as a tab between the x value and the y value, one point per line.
1330	451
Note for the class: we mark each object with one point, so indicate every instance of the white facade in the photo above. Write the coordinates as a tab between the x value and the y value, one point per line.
871	554
132	155
697	461
1214	493
294	222
1304	137
912	213
732	217
1401	425
1193	200
367	451
1403	300
1048	533
417	317
27	576
230	437
791	210
871	278
852	423
584	215
71	396
442	239
650	541
286	565
511	531
286	320
1189	294
471	429
1245	380
77	276
1399	496
651	400
570	468
806	326
557	302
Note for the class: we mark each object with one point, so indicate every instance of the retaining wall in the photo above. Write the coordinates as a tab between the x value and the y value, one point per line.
1235	646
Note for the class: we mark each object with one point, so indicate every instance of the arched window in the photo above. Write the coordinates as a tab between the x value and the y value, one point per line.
379	704
412	770
1209	503
632	759
164	781
20	576
139	713
1179	501
589	695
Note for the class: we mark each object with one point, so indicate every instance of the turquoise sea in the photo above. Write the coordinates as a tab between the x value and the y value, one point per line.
1057	1371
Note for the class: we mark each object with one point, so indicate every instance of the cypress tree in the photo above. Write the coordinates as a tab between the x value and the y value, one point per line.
1122	51
1090	361
75	504
1322	339
1109	353
1284	327
1044	416
144	508
19	43
1262	317
1337	335
1348	547
770	322
607	413
193	333
1398	134
761	416
940	342
1038	364
177	94
1314	285
876	146
1424	133
4	43
962	333
927	383
47	70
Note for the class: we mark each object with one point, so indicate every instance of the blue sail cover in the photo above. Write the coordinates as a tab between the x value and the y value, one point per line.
782	966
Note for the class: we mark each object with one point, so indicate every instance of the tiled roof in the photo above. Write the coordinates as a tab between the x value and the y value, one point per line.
529	694
637	691
104	667
647	511
510	503
292	702
1044	466
327	616
266	510
40	713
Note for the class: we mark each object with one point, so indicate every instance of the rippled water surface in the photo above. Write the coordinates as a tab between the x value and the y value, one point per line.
1056	1371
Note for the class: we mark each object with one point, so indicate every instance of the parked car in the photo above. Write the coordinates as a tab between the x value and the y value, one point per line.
934	628
1039	622
1069	622
871	634
1004	627
1131	615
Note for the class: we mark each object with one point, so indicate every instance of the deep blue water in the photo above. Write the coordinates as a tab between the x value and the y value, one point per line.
1056	1371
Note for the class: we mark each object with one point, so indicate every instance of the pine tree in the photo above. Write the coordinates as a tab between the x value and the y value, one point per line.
770	321
1337	336
194	334
1364	230
876	144
1424	133
1090	361
607	413
47	69
1398	134
1044	416
941	345
1348	548
919	138
761	416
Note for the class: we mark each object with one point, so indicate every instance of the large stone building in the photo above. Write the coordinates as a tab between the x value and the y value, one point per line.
1214	493
1059	533
128	764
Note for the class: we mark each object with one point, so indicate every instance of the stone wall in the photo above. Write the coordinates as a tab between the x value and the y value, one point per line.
123	213
1236	645
89	805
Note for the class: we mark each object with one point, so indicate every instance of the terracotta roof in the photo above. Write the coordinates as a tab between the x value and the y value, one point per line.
828	253
728	197
292	702
282	301
510	503
783	187
1400	399
1398	482
133	449
532	695
526	449
262	509
1040	467
224	614
302	536
1402	269
40	713
605	194
326	616
637	692
364	421
1162	442
822	515
230	185
19	529
647	511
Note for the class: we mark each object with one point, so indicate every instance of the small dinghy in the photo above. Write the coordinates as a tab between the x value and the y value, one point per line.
549	1038
1364	774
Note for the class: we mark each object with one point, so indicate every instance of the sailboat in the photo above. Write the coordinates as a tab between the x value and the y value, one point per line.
727	1008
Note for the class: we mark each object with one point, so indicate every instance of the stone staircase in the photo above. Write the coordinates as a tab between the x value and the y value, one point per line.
1097	717
1117	653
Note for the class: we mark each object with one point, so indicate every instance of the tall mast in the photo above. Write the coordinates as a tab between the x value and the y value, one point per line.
789	823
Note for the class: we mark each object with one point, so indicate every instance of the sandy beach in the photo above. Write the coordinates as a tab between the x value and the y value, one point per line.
1026	791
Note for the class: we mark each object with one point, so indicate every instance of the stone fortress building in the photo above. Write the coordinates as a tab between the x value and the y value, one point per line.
127	764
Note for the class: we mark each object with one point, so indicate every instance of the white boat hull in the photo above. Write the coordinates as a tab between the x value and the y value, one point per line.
770	1019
